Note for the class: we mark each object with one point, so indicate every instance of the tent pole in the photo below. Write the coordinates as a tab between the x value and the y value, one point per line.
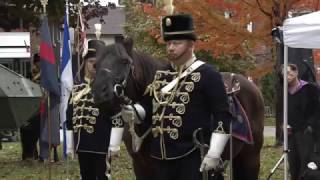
285	112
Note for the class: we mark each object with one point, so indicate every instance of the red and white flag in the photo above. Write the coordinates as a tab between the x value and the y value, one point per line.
83	36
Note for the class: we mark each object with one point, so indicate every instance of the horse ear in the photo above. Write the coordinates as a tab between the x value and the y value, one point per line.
128	45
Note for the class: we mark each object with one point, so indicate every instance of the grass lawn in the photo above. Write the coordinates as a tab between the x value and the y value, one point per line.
12	168
270	121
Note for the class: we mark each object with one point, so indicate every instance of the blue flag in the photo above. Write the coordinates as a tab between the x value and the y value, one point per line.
66	79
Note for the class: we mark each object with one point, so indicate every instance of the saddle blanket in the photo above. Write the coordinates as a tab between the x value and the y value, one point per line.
240	124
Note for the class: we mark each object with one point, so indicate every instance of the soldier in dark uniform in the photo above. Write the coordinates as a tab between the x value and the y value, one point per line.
187	95
30	132
91	127
303	107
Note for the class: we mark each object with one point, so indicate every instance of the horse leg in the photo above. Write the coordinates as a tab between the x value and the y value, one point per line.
141	161
141	167
247	164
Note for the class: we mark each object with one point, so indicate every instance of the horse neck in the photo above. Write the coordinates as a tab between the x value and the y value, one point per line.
144	68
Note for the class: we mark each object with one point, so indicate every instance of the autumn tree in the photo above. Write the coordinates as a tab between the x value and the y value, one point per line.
221	26
223	35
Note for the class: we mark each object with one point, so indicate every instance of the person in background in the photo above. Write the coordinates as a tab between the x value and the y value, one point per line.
90	126
303	104
30	132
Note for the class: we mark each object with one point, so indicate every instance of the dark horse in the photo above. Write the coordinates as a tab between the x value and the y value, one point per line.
123	71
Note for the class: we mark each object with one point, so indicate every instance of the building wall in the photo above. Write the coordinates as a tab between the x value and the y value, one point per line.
107	39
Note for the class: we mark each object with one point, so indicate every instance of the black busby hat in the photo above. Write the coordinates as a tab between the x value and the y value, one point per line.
92	46
177	27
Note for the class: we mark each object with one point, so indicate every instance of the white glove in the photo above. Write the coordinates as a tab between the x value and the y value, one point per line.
115	139
128	113
209	163
217	143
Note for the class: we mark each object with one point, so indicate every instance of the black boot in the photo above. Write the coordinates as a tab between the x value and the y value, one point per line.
55	155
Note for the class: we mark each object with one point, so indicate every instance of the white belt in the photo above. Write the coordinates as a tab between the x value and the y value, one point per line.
186	72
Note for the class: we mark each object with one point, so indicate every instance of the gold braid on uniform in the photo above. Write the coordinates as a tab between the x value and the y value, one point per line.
170	99
75	99
172	95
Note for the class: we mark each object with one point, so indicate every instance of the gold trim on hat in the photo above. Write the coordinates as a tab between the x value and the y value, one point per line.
92	49
178	32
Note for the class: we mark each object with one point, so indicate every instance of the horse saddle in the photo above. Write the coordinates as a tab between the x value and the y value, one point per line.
240	123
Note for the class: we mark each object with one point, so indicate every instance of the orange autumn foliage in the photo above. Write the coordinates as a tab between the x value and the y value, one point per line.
229	36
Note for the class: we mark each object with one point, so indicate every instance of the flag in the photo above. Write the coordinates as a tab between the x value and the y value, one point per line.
83	36
49	130
49	76
66	80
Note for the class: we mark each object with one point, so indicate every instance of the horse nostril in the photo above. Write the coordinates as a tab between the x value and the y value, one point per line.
104	89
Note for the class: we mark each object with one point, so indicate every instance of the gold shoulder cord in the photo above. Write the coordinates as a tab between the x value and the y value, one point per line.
80	94
170	99
173	93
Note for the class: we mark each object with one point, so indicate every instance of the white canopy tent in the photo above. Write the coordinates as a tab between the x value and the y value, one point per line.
298	32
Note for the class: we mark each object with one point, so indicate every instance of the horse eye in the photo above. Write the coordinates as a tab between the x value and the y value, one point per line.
124	61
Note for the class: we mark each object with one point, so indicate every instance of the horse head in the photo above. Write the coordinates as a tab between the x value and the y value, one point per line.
114	65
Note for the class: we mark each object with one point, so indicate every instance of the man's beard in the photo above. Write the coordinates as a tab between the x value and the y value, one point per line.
173	57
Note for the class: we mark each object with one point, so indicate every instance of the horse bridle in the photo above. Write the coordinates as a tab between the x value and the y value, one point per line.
119	86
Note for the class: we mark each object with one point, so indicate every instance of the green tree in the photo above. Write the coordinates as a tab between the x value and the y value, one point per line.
21	13
267	87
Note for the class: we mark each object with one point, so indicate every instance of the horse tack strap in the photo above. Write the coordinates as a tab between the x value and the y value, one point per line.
186	72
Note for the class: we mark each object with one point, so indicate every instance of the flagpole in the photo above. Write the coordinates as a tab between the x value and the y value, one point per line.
49	134
78	74
64	123
67	11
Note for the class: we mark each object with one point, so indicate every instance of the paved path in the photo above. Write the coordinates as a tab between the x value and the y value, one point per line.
269	131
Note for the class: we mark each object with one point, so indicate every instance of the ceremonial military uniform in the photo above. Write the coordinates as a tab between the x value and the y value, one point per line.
177	103
189	106
30	132
91	130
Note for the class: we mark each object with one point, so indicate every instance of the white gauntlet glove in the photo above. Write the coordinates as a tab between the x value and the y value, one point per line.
209	163
217	143
129	114
115	139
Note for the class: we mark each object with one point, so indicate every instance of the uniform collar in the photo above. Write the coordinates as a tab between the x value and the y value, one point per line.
87	79
297	87
186	64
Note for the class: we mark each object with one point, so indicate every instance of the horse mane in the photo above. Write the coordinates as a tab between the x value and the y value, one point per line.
146	65
144	70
